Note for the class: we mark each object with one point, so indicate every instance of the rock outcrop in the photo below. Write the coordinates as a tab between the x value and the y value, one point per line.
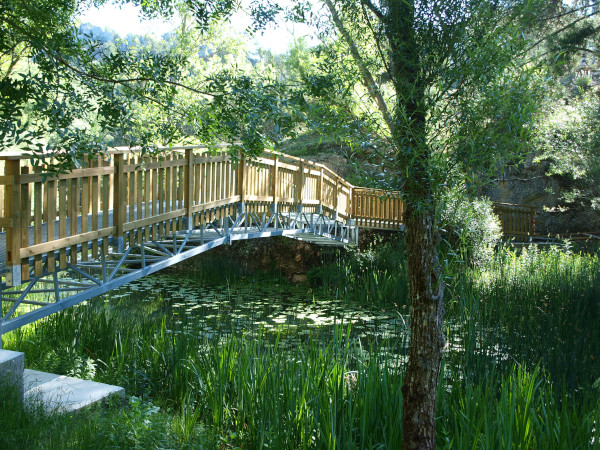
531	185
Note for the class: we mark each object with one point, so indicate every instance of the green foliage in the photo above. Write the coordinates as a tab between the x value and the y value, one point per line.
520	370
139	425
491	125
471	229
584	83
70	362
133	424
515	410
574	38
568	137
64	95
538	308
57	84
374	275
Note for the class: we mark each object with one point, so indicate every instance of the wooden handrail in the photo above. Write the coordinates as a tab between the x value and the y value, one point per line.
125	198
122	198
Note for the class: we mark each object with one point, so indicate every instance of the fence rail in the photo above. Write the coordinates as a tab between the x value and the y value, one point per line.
516	221
123	198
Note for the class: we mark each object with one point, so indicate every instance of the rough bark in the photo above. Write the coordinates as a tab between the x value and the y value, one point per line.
427	337
426	285
408	131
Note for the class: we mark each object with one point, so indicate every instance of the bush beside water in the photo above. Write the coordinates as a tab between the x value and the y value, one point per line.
521	366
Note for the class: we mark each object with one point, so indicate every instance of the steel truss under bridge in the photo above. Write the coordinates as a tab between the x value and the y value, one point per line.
67	238
51	292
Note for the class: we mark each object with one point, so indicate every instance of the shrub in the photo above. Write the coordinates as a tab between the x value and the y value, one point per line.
471	230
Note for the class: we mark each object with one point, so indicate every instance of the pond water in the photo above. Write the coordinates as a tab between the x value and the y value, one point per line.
267	308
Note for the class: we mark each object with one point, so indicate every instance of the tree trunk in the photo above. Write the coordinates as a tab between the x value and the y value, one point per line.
427	338
426	286
409	132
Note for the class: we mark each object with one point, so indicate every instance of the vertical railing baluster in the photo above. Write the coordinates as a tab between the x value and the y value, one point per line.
119	201
188	188
85	210
50	218
25	222
37	228
12	201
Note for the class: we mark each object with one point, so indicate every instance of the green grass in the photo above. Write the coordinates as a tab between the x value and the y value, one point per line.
521	369
516	410
534	308
374	276
133	424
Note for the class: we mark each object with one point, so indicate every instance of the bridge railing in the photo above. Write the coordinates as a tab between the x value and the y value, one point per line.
118	199
123	198
310	184
515	221
375	208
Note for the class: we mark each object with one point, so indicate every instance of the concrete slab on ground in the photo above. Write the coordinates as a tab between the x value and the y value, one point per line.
65	393
11	368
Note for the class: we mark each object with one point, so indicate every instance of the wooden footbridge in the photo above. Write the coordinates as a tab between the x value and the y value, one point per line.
68	238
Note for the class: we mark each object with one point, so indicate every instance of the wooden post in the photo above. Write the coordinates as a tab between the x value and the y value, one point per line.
336	194
274	179
300	186
72	213
147	197
37	224
25	221
50	219
355	205
131	177
241	189
105	200
274	190
188	188
350	205
119	201
12	209
85	210
139	196
320	190
95	205
62	221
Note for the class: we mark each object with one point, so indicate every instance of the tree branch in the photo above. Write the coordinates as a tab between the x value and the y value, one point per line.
125	80
369	4
572	11
378	42
368	80
554	33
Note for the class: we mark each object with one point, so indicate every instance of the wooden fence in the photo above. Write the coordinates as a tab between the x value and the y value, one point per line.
122	198
516	221
374	208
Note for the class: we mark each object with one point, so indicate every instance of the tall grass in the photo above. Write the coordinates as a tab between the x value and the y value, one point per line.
519	372
516	410
248	391
135	424
375	275
536	307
